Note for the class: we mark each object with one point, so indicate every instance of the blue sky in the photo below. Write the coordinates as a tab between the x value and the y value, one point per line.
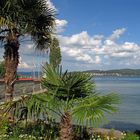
109	30
100	16
93	34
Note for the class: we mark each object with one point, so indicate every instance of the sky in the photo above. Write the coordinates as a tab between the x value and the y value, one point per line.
93	34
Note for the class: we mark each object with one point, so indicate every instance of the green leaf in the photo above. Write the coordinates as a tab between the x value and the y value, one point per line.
90	110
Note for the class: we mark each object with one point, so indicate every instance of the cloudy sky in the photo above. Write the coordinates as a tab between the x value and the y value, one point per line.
93	34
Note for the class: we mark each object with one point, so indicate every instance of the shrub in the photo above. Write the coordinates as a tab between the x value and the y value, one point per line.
131	136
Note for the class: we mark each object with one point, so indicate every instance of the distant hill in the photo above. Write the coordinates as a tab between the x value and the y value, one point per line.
116	72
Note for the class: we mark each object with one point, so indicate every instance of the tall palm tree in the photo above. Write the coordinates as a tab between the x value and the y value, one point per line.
34	18
70	96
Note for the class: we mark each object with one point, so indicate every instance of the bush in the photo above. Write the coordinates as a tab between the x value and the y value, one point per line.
131	136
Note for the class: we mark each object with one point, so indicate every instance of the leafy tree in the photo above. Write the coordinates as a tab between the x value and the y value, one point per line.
55	53
2	69
70	96
18	18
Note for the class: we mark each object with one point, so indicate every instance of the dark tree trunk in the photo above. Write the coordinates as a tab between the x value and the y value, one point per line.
66	132
11	57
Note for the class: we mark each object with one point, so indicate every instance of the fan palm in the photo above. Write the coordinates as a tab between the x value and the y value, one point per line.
34	18
70	96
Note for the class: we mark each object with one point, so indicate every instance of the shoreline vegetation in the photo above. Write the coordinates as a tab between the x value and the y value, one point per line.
115	72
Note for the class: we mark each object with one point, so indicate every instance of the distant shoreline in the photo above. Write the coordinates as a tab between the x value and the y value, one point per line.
116	72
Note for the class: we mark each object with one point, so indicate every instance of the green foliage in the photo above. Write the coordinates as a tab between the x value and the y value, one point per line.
32	17
130	136
4	125
31	131
55	53
68	86
2	69
91	109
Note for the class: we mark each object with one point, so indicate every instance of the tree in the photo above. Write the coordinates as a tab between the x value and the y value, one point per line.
2	70
70	96
18	18
55	53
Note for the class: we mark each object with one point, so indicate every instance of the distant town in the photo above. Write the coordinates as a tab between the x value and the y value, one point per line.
119	72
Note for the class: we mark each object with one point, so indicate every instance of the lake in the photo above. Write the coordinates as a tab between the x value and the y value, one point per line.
128	88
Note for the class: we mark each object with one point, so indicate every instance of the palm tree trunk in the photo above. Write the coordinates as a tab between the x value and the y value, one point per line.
11	57
66	132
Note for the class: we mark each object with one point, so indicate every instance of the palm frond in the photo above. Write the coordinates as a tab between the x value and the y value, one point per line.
32	17
33	107
90	110
39	20
78	84
51	80
6	22
68	85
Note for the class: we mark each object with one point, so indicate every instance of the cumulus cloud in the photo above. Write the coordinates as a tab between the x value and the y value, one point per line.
77	46
82	39
117	33
76	54
99	50
60	25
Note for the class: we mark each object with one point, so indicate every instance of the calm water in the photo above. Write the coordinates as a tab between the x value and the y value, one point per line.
128	88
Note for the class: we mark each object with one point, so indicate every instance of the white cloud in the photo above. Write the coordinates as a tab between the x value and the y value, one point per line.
117	33
82	39
130	46
77	47
76	54
120	54
97	59
51	4
99	50
60	25
24	65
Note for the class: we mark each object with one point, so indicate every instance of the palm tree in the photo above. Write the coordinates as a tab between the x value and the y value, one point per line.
70	96
34	18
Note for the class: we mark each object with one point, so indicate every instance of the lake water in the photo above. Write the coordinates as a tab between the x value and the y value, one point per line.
128	88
